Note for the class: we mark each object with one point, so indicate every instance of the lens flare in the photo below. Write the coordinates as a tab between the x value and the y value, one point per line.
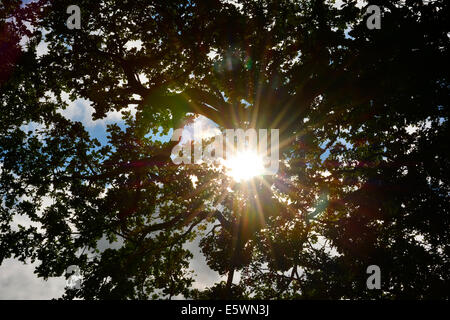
244	166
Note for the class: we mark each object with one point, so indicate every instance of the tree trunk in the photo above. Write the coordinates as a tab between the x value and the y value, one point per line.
229	283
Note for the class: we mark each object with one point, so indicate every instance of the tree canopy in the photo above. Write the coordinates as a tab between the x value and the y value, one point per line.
364	155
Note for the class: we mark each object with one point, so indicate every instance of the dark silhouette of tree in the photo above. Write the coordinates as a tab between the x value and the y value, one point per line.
364	158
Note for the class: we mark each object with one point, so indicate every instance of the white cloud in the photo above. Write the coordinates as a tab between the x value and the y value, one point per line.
137	44
202	127
359	3
204	275
82	110
18	281
42	48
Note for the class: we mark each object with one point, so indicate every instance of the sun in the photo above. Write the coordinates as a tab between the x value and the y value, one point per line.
244	166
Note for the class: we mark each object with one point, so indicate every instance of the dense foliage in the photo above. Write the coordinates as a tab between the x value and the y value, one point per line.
363	119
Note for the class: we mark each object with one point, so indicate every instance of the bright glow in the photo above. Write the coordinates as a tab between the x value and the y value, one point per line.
244	166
